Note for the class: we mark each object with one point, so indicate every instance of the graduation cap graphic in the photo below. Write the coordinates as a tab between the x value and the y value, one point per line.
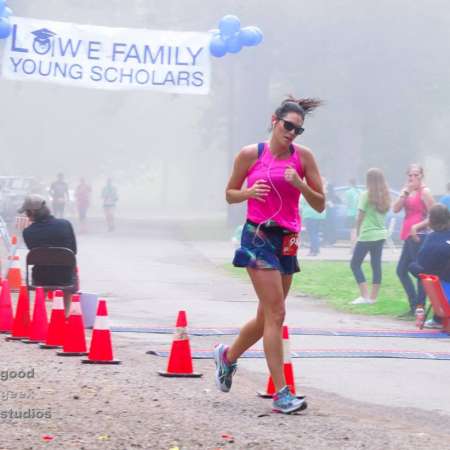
43	35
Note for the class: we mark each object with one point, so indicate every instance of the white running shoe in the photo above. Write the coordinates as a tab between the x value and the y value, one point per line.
362	301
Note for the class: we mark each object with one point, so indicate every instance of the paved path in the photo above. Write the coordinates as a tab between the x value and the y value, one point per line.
148	273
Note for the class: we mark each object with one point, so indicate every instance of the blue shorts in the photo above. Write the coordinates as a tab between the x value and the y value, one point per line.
265	249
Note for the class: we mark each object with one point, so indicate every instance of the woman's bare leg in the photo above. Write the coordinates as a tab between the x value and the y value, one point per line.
253	330
269	289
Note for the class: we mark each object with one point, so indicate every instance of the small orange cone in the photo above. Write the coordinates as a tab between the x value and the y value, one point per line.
180	359
101	351
39	323
287	366
50	295
6	311
55	335
21	324
74	337
14	274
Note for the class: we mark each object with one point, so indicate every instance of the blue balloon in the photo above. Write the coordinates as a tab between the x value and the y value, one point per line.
229	25
258	35
7	12
217	46
248	36
5	28
234	44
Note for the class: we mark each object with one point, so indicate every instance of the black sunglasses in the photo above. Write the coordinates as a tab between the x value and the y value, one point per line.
289	126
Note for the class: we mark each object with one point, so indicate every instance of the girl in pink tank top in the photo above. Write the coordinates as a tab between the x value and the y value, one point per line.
281	203
276	174
416	200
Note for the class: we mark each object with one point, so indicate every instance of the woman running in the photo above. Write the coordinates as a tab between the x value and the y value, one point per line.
416	200
277	173
371	233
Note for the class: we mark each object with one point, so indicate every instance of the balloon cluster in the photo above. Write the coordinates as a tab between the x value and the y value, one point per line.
231	38
5	25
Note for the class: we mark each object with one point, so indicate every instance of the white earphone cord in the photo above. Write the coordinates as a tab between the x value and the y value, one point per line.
273	215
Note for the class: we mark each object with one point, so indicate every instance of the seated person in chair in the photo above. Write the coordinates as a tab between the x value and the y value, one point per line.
47	231
434	254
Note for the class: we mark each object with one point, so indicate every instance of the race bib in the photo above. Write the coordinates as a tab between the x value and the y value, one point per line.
290	244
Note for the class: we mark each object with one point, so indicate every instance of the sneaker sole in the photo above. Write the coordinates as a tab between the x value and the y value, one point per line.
216	359
301	407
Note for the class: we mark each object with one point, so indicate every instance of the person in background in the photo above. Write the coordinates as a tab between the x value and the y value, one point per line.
47	231
110	198
416	199
371	233
445	199
59	192
331	215
313	221
351	202
434	255
83	197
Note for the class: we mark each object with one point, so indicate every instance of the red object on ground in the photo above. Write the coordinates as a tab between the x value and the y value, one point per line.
6	312
101	351
55	335
74	337
39	323
438	299
287	367
21	324
180	358
50	295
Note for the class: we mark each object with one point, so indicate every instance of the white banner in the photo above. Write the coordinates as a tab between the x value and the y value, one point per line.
107	58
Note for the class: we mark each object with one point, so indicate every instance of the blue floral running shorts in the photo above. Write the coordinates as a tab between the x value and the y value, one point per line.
273	247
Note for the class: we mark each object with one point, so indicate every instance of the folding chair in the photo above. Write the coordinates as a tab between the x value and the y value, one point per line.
438	299
55	257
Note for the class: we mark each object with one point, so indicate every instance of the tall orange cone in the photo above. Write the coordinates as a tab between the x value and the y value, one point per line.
55	335
74	337
6	311
287	366
180	358
14	274
21	324
39	323
101	351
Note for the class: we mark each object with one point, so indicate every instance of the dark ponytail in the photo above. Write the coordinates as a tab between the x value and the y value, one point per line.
302	106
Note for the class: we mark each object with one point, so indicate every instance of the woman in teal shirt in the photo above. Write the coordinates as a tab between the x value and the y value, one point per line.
371	233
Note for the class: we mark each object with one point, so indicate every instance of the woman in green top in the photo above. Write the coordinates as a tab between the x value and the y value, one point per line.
371	234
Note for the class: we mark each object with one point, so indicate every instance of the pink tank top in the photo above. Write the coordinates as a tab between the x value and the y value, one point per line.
415	212
283	208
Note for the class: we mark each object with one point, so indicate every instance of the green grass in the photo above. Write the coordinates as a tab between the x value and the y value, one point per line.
333	281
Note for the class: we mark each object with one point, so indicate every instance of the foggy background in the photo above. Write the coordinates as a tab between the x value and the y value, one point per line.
381	67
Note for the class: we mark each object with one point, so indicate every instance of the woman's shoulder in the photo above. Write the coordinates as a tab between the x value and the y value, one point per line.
304	153
248	154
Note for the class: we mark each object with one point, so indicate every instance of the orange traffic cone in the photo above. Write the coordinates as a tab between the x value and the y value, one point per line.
74	337
180	359
288	369
6	312
39	323
14	274
55	335
100	351
21	324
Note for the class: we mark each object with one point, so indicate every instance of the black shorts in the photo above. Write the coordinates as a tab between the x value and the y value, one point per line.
264	250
